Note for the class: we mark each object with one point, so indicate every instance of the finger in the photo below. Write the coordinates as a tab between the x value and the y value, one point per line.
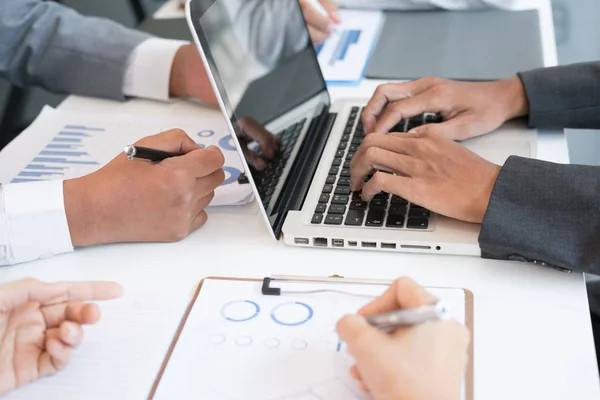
316	20
82	313
58	352
362	338
403	293
174	140
388	183
17	293
200	162
317	36
86	291
255	131
458	128
205	186
407	108
332	10
355	373
204	202
376	158
199	221
253	158
70	333
387	93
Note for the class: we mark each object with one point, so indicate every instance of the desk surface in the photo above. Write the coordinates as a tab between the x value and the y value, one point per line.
532	334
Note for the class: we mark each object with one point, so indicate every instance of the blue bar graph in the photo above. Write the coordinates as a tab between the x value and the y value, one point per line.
67	140
39	174
63	161
84	128
44	167
64	146
63	153
74	134
18	180
347	39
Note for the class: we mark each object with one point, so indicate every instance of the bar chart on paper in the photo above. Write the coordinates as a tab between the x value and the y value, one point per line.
344	56
63	145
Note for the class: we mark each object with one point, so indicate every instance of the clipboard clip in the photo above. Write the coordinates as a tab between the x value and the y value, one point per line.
268	290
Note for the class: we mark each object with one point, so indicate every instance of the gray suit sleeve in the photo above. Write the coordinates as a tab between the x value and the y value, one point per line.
564	97
545	212
46	44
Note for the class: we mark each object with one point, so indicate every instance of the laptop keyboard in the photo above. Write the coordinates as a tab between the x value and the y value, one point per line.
339	206
268	179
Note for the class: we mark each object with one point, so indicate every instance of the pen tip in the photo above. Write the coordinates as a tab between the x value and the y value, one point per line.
129	151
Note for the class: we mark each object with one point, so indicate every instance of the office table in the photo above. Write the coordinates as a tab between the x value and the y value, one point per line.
532	335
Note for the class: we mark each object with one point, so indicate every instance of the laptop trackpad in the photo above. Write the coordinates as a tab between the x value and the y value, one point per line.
498	152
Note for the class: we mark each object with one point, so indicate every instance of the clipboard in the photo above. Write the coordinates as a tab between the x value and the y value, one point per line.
268	289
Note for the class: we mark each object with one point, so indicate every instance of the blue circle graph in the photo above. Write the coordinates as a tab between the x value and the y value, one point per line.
226	143
278	320
238	318
206	133
234	174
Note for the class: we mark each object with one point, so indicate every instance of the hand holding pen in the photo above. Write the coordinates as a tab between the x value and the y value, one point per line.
321	18
421	358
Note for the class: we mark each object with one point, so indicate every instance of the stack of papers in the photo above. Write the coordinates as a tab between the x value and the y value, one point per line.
64	145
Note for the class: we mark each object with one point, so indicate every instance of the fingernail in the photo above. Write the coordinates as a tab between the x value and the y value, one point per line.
414	130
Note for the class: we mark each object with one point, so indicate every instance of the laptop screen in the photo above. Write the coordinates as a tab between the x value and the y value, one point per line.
265	68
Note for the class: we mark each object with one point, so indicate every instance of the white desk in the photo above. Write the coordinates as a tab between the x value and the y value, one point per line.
532	334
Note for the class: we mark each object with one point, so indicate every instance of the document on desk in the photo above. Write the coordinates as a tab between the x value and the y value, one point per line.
345	54
238	344
62	145
121	355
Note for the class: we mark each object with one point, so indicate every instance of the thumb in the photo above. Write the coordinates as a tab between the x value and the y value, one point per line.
15	294
360	336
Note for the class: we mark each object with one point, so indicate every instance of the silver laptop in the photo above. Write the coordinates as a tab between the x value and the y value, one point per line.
265	73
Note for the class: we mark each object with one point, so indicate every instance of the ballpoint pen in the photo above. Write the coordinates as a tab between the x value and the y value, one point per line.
319	7
146	153
391	321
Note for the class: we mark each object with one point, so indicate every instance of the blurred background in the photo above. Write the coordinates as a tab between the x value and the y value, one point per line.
577	38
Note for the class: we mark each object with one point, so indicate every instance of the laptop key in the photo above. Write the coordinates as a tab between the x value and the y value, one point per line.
321	208
327	188
353	148
345	173
342	145
336	162
358	204
347	164
347	131
344	181
317	218
397	209
395	221
333	219
414	206
375	217
355	218
354	109
378	203
339	199
419	213
340	153
398	200
417	223
382	196
336	209
345	190
345	138
334	171
330	179
324	198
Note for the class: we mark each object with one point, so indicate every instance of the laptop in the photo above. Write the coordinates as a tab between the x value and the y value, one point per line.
263	68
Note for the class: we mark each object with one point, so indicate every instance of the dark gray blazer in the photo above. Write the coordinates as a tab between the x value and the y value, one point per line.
545	212
46	44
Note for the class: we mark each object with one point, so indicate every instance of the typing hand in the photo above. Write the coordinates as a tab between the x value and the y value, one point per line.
249	130
320	26
40	325
469	109
423	362
431	170
138	201
189	78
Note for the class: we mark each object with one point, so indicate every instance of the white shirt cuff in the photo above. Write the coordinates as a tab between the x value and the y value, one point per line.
35	222
148	72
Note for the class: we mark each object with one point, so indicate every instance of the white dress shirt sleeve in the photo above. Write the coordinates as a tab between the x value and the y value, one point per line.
33	223
149	69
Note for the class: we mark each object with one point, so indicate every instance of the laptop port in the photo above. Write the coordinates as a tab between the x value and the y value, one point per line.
337	242
368	244
388	245
415	247
301	241
321	242
352	244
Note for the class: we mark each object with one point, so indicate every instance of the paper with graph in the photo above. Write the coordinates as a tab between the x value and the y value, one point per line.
344	55
238	344
62	145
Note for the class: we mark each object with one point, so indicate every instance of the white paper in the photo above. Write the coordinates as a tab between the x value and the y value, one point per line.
240	345
345	54
61	144
120	356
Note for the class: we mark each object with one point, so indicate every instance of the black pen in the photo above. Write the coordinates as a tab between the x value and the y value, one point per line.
146	153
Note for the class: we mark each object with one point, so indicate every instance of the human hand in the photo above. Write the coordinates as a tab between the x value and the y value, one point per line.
423	362
320	26
432	171
469	108
140	201
249	130
189	77
40	325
